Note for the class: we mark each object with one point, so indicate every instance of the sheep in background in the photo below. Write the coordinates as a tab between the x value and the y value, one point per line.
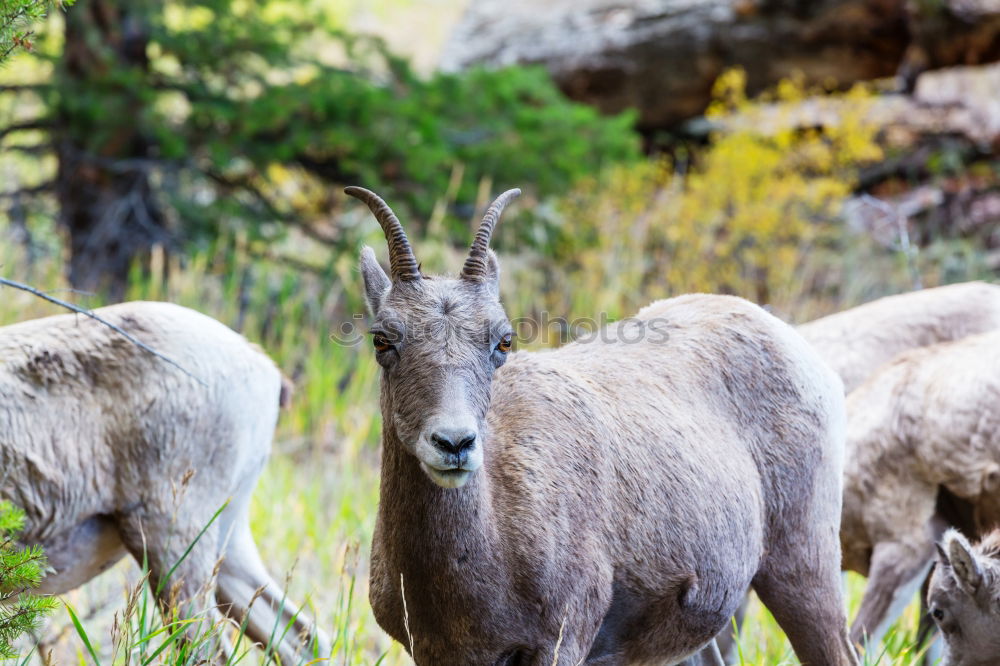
964	599
608	501
856	342
924	428
109	451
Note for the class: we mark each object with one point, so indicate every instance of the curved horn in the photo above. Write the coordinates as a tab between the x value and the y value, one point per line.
475	265
402	263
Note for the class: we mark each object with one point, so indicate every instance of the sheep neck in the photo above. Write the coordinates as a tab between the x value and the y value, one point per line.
456	520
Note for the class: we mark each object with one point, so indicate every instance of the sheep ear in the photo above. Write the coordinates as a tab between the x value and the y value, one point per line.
942	556
376	281
963	562
493	272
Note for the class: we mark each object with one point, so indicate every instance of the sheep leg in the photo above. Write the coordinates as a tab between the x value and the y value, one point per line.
241	578
248	594
712	654
895	574
183	583
805	598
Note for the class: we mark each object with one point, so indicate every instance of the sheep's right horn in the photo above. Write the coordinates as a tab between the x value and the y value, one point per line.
475	265
402	263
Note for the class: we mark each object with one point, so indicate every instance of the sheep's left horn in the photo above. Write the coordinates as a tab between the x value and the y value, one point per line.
402	264
475	265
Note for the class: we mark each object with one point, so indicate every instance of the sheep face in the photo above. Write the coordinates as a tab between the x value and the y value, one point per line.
439	341
964	599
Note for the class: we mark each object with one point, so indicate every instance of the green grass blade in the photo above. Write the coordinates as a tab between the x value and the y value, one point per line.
170	640
187	551
27	657
239	639
83	634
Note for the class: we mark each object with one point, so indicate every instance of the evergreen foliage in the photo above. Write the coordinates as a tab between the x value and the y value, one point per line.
178	123
16	16
21	569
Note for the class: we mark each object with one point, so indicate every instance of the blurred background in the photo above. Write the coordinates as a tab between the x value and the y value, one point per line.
806	155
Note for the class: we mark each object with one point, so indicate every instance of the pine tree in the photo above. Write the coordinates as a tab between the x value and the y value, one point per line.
21	569
177	124
15	18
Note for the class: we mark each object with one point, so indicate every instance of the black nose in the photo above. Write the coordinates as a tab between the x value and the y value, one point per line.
454	441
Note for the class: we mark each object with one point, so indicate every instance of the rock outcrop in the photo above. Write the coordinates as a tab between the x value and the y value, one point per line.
662	56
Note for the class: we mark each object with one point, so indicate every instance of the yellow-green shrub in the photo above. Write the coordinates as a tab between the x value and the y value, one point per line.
744	219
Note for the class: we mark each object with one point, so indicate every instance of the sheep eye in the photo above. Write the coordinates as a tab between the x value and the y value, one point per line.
381	343
504	345
938	614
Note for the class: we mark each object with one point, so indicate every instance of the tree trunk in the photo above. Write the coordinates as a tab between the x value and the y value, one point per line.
103	186
663	56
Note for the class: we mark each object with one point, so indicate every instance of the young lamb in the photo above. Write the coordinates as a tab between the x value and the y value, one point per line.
610	501
923	441
856	342
109	450
964	599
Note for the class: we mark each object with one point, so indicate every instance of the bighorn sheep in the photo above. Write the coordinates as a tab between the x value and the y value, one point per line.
856	342
110	450
923	451
964	599
610	501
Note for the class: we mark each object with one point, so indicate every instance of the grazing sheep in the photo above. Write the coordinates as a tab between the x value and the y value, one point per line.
964	599
856	342
610	501
923	451
109	451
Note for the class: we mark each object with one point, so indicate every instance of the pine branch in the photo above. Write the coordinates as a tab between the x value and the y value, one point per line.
10	20
4	54
20	570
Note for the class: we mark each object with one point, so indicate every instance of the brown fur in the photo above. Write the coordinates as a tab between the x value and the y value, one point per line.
622	495
110	451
